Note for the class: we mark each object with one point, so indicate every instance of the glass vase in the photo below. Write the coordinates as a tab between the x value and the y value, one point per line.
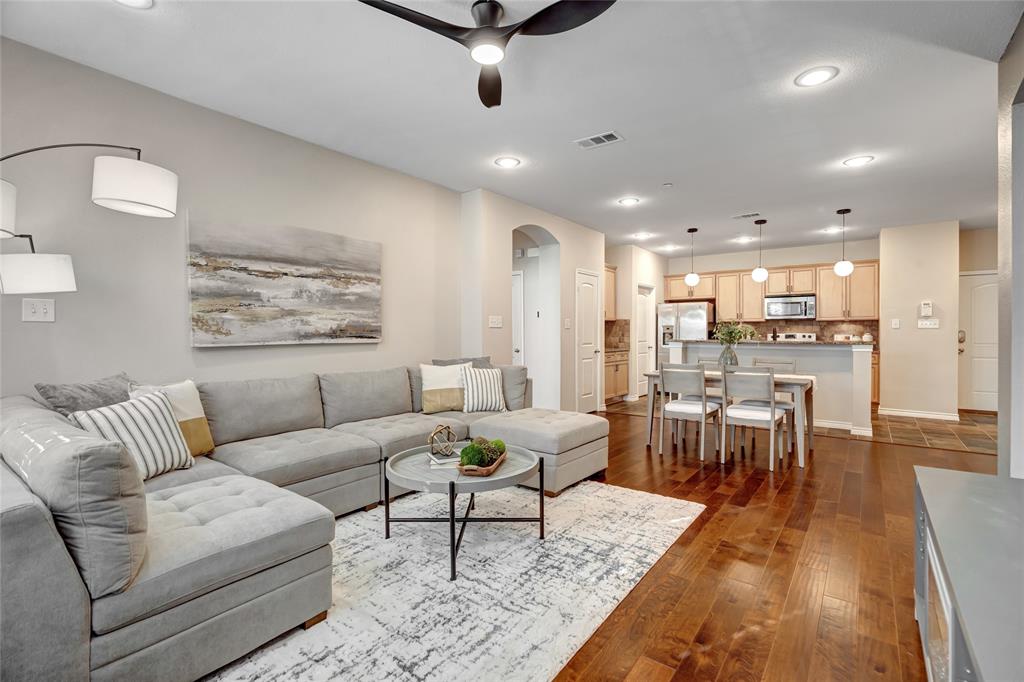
728	356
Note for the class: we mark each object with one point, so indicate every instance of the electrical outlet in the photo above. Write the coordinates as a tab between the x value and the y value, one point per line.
895	324
928	323
37	310
494	322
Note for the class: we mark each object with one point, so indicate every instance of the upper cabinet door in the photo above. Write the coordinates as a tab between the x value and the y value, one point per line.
676	289
831	300
778	283
862	292
751	299
801	280
705	287
727	304
609	293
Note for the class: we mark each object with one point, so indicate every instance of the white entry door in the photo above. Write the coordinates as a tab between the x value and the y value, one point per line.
518	351
644	336
979	342
588	349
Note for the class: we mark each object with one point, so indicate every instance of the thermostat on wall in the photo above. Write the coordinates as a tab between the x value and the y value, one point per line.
926	309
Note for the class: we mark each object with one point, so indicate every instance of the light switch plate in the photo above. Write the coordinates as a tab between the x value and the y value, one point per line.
568	323
37	310
928	323
494	322
895	324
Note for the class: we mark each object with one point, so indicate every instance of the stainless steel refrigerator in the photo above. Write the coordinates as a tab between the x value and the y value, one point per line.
683	322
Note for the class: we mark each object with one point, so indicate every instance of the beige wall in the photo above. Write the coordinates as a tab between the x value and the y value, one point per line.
979	250
919	366
797	255
131	309
1011	258
488	220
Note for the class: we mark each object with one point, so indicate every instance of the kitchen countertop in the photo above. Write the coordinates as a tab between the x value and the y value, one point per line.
765	342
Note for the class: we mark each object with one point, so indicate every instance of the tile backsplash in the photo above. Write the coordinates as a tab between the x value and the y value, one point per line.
616	335
824	330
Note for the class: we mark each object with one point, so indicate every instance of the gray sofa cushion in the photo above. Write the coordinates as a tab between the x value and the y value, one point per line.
68	398
513	385
203	469
548	431
298	455
90	485
207	534
482	362
466	418
238	410
351	396
401	431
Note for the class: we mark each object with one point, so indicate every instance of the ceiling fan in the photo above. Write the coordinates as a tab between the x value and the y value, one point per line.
487	41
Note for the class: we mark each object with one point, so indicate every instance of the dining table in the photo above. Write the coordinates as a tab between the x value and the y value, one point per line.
801	386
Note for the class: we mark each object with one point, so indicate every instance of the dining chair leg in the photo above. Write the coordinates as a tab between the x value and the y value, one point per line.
701	438
732	439
661	431
790	431
716	420
778	445
723	429
771	448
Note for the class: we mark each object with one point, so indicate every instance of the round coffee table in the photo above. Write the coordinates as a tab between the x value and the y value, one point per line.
412	469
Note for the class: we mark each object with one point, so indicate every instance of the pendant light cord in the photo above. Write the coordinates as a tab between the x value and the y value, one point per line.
691	252
844	236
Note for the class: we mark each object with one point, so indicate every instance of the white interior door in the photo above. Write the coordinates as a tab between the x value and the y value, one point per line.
518	351
588	349
644	337
979	342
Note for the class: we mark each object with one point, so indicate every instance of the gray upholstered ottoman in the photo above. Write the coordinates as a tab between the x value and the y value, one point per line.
573	445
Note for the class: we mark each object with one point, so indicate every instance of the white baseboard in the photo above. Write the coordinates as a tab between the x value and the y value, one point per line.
631	398
845	426
893	412
856	431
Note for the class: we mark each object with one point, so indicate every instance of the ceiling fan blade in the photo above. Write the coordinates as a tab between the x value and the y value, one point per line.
459	34
489	86
562	16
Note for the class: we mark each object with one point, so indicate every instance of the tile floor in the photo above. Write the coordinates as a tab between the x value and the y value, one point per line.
975	432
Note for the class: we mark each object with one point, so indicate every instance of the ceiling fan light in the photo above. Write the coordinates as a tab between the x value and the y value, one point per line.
843	268
692	279
487	53
759	275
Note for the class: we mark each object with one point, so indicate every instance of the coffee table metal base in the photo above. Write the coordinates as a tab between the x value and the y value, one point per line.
451	519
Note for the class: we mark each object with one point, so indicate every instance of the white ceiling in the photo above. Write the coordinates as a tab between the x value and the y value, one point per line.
702	92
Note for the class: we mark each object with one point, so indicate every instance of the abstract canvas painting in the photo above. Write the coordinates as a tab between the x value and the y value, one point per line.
258	285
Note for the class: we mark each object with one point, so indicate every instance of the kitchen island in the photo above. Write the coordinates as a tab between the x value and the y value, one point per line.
842	370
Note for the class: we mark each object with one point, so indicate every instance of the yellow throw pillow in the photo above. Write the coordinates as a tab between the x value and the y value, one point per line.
188	410
443	388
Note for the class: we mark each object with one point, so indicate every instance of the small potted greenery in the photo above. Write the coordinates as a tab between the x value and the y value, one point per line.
481	457
729	334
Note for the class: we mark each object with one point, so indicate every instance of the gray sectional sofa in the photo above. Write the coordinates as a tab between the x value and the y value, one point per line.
105	577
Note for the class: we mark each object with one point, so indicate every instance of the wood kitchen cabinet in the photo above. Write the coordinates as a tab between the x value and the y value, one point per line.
785	281
751	299
676	288
848	298
739	299
616	374
875	379
609	292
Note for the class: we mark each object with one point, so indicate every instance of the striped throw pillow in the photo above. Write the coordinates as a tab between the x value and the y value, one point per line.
147	428
483	390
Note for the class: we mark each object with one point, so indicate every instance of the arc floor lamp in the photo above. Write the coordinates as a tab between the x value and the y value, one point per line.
118	183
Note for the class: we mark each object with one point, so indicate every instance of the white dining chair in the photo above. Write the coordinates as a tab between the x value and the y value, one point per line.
694	404
784	401
740	384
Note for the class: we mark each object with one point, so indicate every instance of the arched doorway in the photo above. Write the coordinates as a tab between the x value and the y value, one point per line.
536	310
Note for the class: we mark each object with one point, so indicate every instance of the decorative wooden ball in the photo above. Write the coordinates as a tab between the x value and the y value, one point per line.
442	441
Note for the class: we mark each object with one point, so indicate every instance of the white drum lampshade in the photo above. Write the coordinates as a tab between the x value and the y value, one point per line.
8	207
36	273
133	186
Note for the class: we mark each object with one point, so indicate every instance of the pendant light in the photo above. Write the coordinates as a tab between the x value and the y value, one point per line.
759	273
843	268
692	279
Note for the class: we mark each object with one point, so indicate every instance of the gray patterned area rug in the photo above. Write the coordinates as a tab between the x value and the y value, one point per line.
519	609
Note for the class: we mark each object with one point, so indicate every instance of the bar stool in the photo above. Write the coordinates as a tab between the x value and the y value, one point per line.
743	384
694	405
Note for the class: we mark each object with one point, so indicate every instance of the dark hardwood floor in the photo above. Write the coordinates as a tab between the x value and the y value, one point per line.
800	574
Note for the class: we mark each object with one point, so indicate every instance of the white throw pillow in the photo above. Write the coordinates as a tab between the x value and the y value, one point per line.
188	410
483	390
147	428
443	389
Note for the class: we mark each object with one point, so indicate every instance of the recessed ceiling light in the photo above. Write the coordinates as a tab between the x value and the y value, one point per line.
485	53
832	229
743	240
816	76
136	4
667	185
669	247
641	236
858	161
507	162
629	201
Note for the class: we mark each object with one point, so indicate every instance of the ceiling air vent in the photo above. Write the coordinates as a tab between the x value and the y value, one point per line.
598	140
746	216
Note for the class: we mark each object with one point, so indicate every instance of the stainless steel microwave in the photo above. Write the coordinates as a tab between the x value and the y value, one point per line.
789	308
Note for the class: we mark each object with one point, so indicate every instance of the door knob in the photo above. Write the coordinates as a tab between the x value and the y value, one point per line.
961	336
959	351
515	350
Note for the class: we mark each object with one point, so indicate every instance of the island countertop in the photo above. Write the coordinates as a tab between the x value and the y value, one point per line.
786	344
